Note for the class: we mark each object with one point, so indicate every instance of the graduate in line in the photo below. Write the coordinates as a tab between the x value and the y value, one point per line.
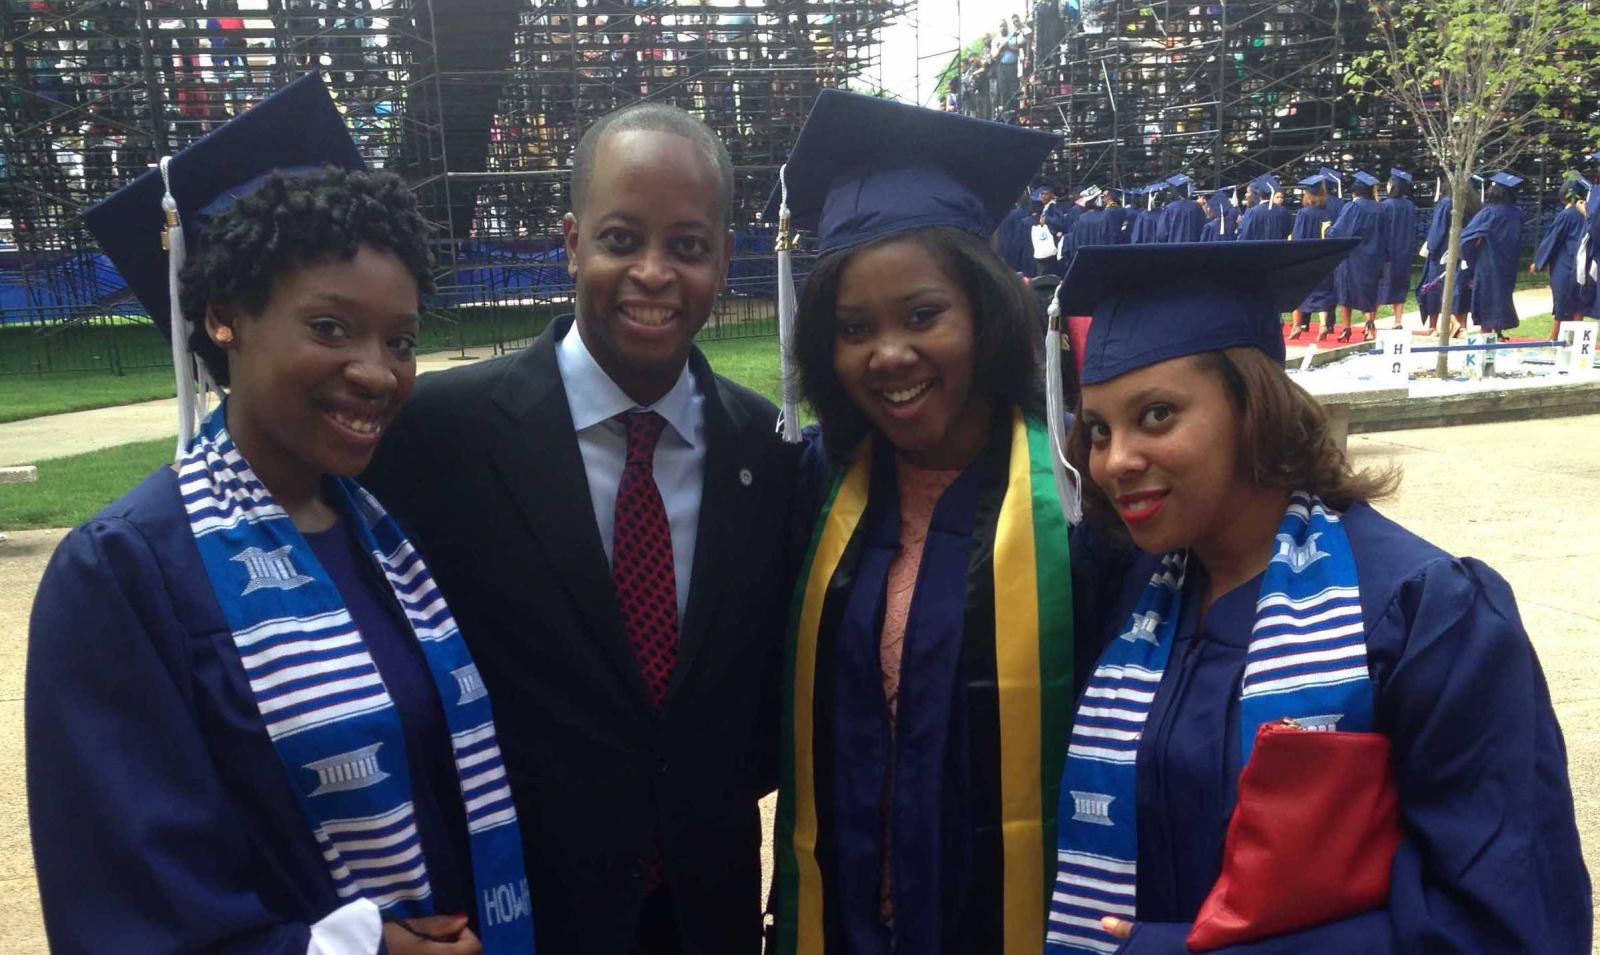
1558	255
1222	219
1013	237
1265	595
930	670
1358	284
1182	219
1400	224
1310	223
1430	297
1116	206
1336	198
252	723
1266	218
1145	227
1490	245
1095	227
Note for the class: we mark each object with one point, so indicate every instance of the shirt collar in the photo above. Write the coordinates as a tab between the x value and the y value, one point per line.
593	398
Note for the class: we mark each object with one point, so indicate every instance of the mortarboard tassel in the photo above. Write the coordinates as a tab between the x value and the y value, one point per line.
1069	490
789	416
1438	188
192	378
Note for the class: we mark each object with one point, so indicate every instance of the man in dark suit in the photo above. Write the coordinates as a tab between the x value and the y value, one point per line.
605	516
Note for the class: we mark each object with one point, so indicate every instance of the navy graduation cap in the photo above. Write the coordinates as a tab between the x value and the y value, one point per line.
1506	180
1210	296
864	168
1265	186
1579	186
1396	174
1365	178
1316	183
145	227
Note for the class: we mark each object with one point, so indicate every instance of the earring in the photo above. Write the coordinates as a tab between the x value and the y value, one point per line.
224	335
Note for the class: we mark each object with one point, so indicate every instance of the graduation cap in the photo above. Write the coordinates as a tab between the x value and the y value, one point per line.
1315	183
1506	180
1211	296
1579	186
1266	186
1594	157
919	167
1332	175
1365	179
1091	194
298	128
1396	174
1182	183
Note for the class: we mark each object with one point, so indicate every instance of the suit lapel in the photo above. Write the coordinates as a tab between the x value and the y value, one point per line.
535	453
726	498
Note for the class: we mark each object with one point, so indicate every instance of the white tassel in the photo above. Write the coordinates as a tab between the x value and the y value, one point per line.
789	413
1438	187
1069	489
182	361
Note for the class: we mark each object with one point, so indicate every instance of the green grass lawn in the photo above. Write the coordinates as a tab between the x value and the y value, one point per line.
30	396
70	490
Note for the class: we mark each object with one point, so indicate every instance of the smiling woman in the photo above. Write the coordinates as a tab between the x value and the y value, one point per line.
240	669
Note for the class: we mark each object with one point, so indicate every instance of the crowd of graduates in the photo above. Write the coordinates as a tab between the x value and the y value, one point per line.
1042	232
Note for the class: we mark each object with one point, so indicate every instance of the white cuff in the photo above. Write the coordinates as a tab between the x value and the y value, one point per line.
352	929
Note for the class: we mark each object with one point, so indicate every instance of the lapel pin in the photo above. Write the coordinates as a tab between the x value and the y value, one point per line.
745	477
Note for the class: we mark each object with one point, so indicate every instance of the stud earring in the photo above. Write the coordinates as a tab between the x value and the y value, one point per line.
224	335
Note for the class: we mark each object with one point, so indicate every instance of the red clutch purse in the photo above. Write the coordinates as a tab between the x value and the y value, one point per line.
1311	840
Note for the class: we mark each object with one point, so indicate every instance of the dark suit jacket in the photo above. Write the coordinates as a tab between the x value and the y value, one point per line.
483	467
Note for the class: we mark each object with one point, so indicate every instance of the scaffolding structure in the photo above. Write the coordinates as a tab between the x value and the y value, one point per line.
93	92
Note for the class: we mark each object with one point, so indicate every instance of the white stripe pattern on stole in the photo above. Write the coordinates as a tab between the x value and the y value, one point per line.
1314	641
288	672
485	791
380	855
1298	508
419	596
1130	690
1088	887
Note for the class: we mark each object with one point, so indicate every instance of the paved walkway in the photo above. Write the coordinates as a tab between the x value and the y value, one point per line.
1521	496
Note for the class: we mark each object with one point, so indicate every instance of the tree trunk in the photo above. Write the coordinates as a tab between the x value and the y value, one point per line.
1460	186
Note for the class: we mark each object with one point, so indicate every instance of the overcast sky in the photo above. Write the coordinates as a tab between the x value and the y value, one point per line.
946	25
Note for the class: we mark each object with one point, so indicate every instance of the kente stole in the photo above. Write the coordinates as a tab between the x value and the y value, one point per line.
1307	661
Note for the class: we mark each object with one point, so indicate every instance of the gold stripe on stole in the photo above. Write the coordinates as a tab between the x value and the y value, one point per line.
848	507
1016	657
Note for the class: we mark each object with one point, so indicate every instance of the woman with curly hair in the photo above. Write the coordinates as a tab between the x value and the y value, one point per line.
1308	730
252	725
929	676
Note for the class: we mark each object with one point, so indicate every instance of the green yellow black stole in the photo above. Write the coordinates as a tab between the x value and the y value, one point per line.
1026	646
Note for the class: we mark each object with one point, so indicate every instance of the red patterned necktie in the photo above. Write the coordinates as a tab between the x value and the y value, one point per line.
641	559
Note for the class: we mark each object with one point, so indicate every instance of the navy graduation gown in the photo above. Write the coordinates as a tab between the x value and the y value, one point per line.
1310	223
1182	221
163	819
1438	242
1014	240
1490	860
1490	244
1264	221
1359	278
1558	255
1118	220
1400	228
1335	206
1146	227
1095	228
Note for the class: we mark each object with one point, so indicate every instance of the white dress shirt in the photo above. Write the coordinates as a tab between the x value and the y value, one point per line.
680	459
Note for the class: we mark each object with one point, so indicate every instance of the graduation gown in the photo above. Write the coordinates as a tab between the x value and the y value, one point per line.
1558	255
960	877
1146	228
1094	228
1014	239
1264	221
1117	220
1310	223
1438	241
1182	221
1359	279
1490	860
1490	244
1335	206
1400	229
163	818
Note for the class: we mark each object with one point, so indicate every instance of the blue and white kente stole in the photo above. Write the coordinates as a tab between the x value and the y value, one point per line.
324	704
1307	661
